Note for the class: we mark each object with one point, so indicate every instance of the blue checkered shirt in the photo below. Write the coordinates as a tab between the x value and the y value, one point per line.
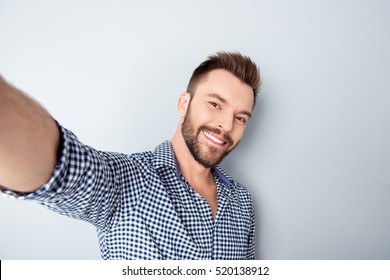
143	208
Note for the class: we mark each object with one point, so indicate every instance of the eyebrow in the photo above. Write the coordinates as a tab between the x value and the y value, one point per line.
224	101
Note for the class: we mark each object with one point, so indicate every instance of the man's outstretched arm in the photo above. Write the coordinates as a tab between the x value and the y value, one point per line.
29	140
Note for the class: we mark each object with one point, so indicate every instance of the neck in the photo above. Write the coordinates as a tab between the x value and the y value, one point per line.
199	177
193	171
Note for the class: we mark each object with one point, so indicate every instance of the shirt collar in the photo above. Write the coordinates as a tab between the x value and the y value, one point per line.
165	157
226	180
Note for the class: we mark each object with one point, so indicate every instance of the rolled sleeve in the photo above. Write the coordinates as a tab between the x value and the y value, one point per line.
48	189
86	184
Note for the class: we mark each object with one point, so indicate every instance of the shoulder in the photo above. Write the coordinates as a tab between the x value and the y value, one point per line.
162	156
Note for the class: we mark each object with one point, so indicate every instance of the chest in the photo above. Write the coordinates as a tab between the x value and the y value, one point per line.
210	194
172	221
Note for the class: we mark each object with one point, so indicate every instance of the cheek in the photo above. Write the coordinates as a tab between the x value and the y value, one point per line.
238	133
206	116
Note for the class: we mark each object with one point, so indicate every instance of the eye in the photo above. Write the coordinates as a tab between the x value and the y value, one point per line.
214	104
241	120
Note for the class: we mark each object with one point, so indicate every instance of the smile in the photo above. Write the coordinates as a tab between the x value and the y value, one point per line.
213	138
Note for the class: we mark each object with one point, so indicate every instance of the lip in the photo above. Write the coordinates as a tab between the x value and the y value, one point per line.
209	135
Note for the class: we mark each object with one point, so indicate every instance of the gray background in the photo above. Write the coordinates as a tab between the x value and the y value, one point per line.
316	155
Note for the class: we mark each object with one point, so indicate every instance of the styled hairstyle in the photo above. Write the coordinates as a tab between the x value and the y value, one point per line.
237	64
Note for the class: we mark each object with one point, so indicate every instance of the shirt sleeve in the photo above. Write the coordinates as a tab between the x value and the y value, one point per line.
252	237
86	184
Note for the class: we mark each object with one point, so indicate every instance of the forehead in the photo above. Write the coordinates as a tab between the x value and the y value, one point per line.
229	87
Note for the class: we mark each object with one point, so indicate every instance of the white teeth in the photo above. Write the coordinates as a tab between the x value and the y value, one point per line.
214	139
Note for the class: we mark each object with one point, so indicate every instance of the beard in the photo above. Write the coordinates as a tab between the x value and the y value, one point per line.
205	154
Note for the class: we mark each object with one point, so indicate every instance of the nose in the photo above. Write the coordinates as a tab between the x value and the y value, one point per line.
225	123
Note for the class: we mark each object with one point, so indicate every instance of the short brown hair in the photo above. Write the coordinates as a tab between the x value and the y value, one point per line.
239	65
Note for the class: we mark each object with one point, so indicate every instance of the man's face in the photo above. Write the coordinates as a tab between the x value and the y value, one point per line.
216	117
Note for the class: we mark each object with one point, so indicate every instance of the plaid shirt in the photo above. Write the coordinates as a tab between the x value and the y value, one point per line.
144	208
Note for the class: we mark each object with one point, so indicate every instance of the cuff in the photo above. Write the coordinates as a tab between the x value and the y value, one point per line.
53	186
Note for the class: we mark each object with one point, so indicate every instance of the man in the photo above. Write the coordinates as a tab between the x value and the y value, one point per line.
172	203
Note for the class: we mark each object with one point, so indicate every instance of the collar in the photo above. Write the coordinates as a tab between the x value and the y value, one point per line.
165	157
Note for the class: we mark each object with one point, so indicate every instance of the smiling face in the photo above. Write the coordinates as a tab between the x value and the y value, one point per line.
216	118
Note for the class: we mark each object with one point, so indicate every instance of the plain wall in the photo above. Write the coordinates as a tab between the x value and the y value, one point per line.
316	154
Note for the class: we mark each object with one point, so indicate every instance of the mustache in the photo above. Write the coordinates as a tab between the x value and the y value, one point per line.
217	131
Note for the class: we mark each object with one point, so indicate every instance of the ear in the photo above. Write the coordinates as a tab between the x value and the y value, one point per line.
182	104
